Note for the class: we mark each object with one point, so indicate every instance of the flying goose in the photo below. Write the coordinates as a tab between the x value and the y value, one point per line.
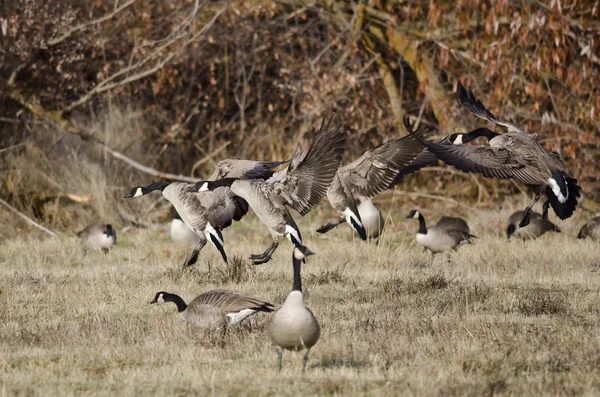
180	232
591	229
371	219
370	174
300	186
215	309
293	326
439	238
98	237
207	213
514	155
534	229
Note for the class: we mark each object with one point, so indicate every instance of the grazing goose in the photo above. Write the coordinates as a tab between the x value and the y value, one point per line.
180	233
207	213
293	326
591	229
371	219
514	155
439	238
98	237
300	186
534	229
370	174
215	309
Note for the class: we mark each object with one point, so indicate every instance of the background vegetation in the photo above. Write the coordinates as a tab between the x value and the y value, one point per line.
178	85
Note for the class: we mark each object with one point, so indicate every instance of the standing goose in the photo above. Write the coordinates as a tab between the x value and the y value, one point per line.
300	186
370	174
207	213
293	326
534	229
98	237
591	229
215	309
371	219
514	155
439	238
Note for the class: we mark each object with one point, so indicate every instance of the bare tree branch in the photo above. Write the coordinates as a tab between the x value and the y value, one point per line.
27	219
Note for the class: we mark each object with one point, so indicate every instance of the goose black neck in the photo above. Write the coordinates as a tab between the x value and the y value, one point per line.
221	182
422	225
484	132
181	305
297	280
155	186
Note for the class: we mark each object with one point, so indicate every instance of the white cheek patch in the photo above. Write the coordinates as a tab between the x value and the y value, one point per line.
556	191
348	214
458	140
160	299
290	231
138	192
204	187
416	215
209	231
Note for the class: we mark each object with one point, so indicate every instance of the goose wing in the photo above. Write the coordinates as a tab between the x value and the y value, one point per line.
304	183
449	222
377	168
468	100
491	161
231	302
244	169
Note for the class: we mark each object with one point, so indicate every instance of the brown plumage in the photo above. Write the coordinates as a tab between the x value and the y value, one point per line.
591	229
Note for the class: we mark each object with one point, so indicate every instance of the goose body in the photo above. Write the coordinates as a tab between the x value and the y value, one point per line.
371	218
591	229
293	326
514	155
438	238
300	186
370	174
534	229
98	237
453	223
207	213
215	309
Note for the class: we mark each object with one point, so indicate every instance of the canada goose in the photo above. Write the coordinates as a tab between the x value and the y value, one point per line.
215	309
514	155
207	213
370	174
371	219
591	229
98	237
534	229
180	232
438	238
300	186
293	326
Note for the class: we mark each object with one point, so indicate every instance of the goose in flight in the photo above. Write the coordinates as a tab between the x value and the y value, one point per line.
301	186
514	155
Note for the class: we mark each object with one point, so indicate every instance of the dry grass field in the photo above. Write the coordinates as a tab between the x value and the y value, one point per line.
490	318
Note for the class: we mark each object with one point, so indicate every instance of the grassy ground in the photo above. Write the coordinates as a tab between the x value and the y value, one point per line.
493	317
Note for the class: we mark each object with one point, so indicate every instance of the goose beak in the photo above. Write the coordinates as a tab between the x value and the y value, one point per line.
194	188
128	195
154	301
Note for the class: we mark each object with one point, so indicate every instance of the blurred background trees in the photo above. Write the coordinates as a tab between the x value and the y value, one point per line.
178	85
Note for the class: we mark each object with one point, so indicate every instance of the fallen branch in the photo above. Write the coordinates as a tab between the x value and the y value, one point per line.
27	219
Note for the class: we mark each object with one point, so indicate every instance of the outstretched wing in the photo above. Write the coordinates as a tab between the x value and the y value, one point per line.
304	183
230	301
377	168
491	161
468	100
244	169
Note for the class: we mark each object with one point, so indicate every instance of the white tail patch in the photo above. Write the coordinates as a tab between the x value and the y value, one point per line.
556	190
240	316
209	230
290	231
348	214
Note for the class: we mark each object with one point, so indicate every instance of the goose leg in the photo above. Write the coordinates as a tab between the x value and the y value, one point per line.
265	256
194	257
331	225
305	359
279	358
527	216
545	212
